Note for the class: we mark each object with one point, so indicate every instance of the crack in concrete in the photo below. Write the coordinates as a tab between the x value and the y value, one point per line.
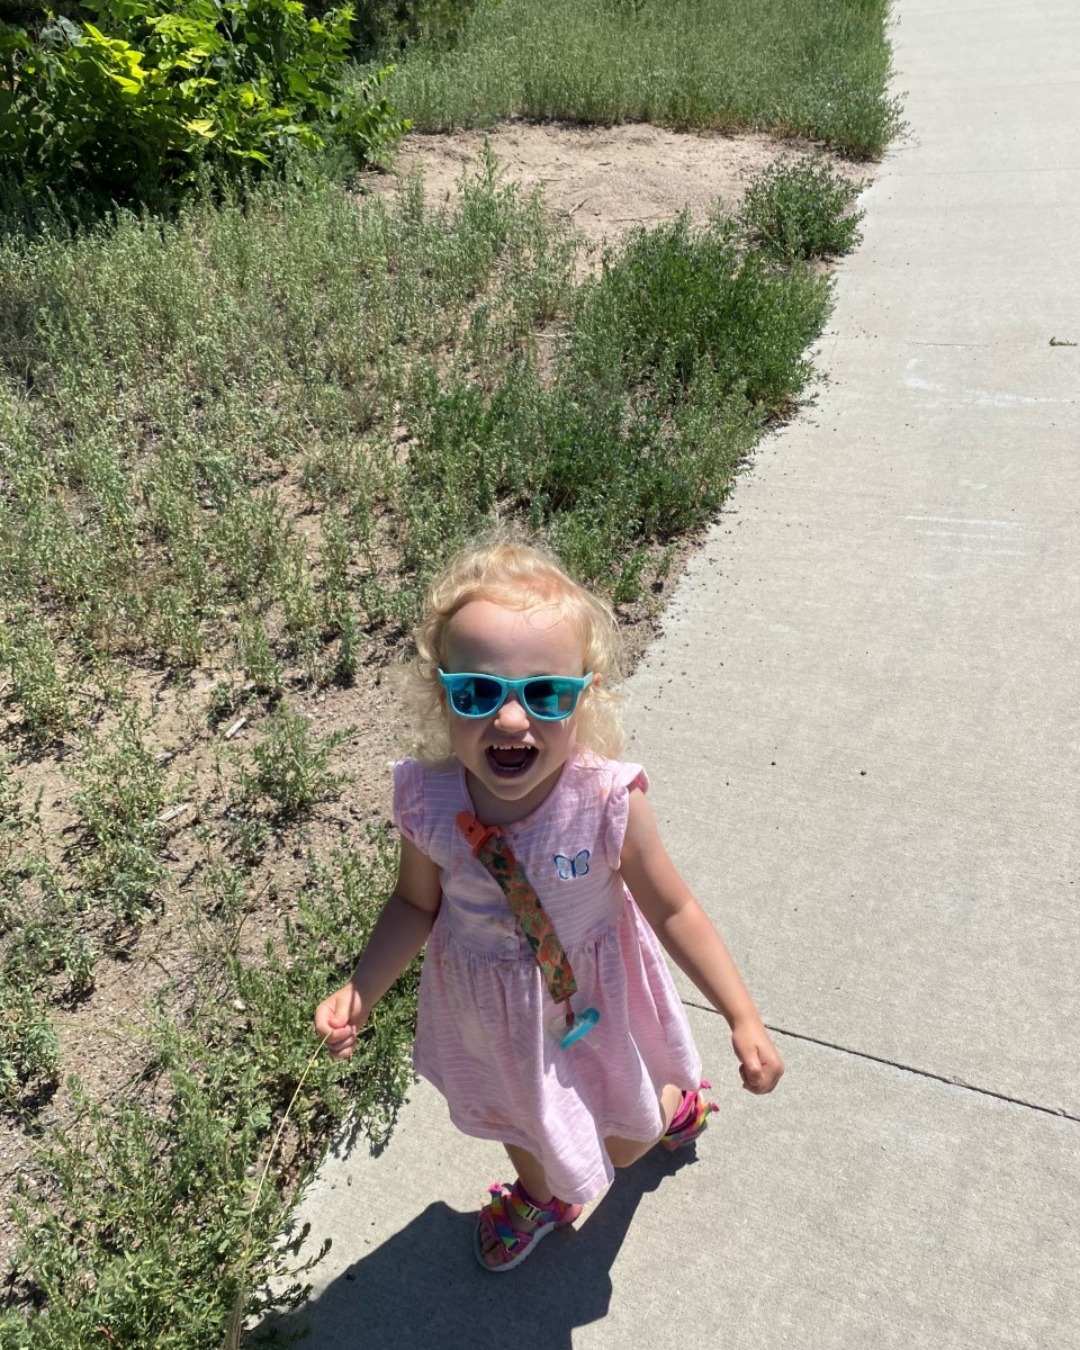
920	342
1058	1112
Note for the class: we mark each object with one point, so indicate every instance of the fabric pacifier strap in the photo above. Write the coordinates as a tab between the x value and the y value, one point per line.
490	847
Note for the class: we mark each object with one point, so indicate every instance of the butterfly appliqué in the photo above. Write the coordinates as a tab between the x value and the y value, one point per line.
572	867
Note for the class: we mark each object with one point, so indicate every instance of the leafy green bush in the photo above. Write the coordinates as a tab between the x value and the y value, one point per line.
157	91
35	14
802	211
678	301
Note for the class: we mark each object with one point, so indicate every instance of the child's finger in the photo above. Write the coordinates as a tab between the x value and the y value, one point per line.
767	1075
341	1043
750	1068
334	1013
768	1068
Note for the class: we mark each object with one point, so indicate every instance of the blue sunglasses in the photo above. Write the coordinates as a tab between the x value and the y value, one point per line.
548	698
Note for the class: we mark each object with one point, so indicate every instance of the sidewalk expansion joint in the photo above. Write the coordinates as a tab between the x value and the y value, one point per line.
1058	1112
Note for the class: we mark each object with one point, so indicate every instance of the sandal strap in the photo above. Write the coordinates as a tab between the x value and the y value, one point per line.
495	1215
531	1212
506	1199
525	1207
692	1116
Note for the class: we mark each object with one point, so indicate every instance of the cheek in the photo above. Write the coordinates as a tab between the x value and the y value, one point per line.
565	739
462	733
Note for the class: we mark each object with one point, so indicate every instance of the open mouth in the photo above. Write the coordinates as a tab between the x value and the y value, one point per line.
509	760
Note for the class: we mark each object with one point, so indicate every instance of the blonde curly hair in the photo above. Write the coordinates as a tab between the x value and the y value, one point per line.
521	576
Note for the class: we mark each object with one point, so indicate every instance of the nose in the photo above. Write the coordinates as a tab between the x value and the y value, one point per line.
511	716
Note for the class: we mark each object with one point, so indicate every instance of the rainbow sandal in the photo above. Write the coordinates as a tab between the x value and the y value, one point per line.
495	1219
689	1120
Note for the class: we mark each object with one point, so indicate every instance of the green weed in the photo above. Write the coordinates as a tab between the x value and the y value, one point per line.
29	1050
291	766
41	935
802	210
38	683
42	925
676	301
255	654
300	609
121	795
672	360
247	837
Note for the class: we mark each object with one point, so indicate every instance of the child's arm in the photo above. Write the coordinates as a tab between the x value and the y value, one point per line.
399	933
689	937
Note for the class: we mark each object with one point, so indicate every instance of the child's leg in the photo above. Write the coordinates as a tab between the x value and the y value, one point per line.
532	1180
530	1174
624	1152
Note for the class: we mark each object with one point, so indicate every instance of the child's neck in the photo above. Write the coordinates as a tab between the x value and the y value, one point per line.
493	810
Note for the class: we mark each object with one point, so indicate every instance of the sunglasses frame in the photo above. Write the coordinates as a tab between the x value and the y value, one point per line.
579	684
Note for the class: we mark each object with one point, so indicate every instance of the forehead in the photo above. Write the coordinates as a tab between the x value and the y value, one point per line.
489	638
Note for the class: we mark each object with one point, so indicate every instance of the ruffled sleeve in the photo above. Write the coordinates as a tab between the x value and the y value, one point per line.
409	802
625	779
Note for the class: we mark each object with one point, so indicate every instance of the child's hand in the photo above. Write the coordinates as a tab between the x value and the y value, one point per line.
339	1018
760	1064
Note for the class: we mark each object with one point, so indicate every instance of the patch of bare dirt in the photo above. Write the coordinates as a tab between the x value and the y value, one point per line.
606	180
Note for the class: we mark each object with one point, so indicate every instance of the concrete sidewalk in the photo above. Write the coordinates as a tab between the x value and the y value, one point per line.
862	729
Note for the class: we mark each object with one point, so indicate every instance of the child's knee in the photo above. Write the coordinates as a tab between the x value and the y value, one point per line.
625	1152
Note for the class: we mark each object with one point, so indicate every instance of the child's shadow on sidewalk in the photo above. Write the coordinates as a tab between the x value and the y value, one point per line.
423	1287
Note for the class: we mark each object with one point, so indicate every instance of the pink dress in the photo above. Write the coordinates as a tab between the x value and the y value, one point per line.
481	1031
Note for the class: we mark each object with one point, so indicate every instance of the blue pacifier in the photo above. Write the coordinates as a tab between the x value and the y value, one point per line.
570	1026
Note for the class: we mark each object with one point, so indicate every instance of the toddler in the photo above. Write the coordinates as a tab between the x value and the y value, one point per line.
532	867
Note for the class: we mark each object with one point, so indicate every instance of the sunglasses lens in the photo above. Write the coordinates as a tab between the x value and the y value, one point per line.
475	696
551	699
